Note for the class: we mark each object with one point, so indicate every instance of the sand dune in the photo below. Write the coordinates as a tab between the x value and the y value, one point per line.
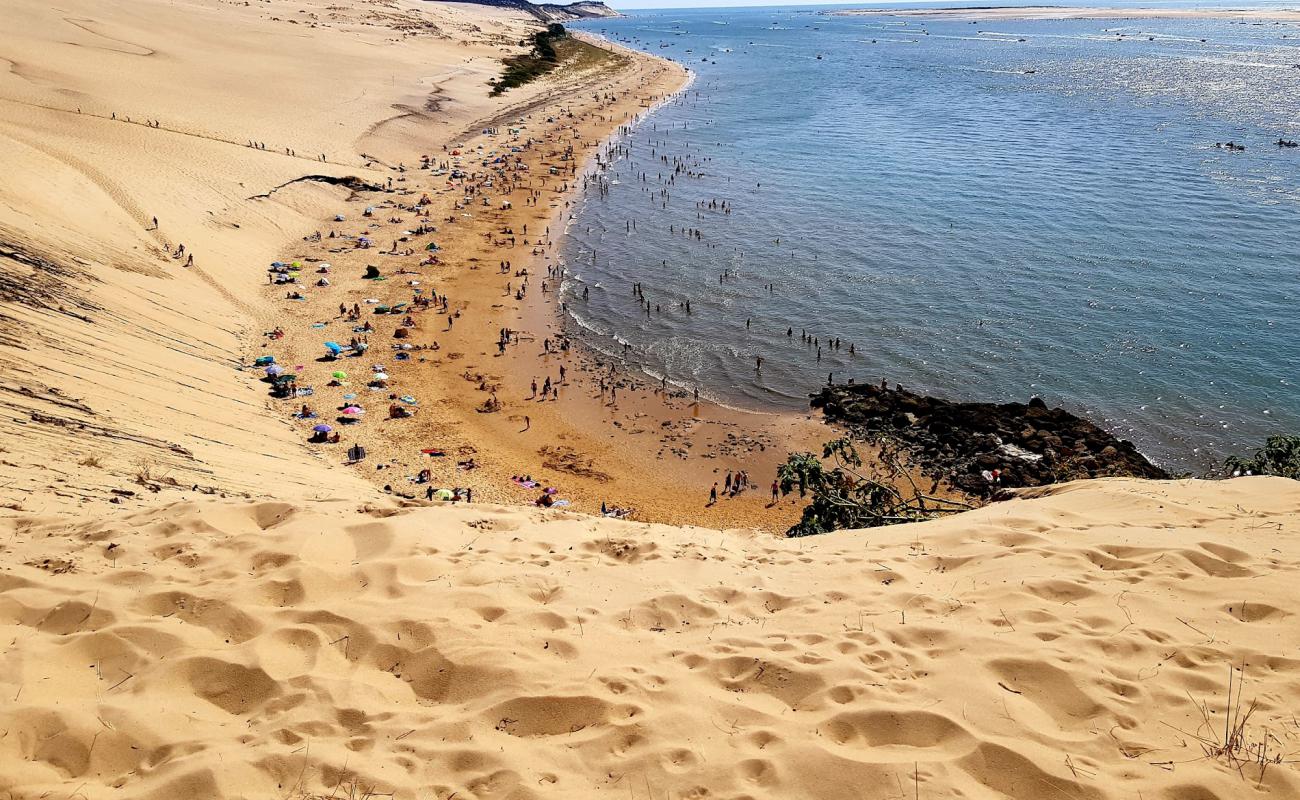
328	642
1065	646
114	357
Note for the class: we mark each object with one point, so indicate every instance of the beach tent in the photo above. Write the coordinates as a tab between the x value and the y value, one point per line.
262	361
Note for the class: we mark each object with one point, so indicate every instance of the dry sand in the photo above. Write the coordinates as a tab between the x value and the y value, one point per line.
1064	12
331	643
1075	646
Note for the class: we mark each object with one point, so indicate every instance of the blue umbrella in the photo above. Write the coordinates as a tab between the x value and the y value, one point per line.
322	428
333	347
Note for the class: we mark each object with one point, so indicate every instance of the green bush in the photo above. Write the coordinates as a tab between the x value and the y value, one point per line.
1279	456
532	65
842	496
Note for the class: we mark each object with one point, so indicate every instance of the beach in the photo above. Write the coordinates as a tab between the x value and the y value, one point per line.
217	216
251	205
608	436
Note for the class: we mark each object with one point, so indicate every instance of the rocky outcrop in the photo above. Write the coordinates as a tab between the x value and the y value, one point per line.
980	448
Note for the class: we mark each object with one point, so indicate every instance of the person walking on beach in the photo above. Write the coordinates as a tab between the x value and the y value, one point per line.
528	423
775	492
713	494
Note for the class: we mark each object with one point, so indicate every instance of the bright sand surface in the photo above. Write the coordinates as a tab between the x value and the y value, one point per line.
1068	12
333	643
1079	645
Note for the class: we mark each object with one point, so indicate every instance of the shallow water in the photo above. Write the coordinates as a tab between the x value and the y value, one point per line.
986	211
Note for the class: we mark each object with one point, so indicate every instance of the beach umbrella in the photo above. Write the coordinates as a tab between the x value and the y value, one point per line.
274	369
322	428
381	376
443	494
338	376
334	347
353	411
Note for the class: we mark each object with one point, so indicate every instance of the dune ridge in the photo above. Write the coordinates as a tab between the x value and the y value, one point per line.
1058	646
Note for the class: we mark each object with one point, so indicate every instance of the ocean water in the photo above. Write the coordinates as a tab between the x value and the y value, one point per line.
985	211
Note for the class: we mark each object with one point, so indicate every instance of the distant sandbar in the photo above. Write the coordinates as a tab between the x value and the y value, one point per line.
1065	12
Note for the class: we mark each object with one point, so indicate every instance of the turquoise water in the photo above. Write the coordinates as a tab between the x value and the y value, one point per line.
986	211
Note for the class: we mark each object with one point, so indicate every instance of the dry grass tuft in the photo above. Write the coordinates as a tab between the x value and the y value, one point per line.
1236	742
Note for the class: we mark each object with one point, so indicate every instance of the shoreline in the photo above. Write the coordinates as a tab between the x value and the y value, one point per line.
593	447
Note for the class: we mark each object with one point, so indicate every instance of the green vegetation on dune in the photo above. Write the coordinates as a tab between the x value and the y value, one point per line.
554	48
1279	456
532	65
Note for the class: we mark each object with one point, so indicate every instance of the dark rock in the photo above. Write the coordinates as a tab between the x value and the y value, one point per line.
981	448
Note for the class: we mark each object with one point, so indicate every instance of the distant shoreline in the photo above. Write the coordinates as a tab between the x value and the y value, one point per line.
1066	12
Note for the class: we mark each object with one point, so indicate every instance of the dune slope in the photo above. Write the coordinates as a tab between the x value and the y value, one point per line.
1074	645
117	359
